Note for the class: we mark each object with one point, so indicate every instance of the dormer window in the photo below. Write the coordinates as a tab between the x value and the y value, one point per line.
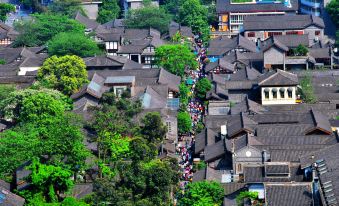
274	93
289	92
282	93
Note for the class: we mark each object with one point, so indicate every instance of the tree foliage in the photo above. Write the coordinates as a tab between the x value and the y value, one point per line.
66	74
246	194
57	140
307	91
72	44
202	87
184	91
333	10
153	129
144	183
195	15
202	193
184	122
301	50
5	9
43	27
50	180
108	10
148	17
33	105
175	58
66	7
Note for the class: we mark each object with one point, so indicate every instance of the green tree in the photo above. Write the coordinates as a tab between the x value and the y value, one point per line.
202	193
5	9
33	105
34	5
66	74
43	27
184	122
142	150
108	10
66	7
175	58
246	194
153	129
202	87
148	17
301	50
307	91
333	10
50	180
6	90
195	15
57	140
184	91
72	44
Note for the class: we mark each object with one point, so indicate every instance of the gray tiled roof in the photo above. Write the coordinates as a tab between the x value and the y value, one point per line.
184	30
7	31
214	151
111	61
293	194
170	79
285	42
89	23
10	199
221	45
224	6
281	22
278	78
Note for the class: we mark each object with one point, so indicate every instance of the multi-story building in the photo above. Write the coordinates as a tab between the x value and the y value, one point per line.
263	27
232	12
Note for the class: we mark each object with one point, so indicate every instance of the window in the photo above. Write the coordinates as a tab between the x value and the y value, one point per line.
282	93
267	93
274	93
292	33
251	34
289	92
317	33
274	33
239	168
169	127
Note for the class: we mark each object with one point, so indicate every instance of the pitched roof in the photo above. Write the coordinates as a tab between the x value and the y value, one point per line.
278	78
221	45
224	6
7	198
7	31
111	61
170	79
289	194
214	151
281	22
285	42
183	30
89	23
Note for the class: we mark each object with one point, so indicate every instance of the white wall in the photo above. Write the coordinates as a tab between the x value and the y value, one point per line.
278	100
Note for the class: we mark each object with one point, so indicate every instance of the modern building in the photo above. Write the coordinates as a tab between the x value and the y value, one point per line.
232	12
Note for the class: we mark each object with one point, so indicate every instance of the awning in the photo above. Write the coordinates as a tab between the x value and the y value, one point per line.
267	90
274	90
189	81
290	89
282	89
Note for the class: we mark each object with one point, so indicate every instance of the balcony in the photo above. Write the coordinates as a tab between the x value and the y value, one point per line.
310	3
305	11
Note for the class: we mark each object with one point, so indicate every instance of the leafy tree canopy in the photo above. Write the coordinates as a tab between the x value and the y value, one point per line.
307	90
66	74
72	44
153	129
57	139
108	10
49	179
202	193
184	122
66	7
148	17
202	87
43	27
175	58
333	10
5	9
34	105
195	15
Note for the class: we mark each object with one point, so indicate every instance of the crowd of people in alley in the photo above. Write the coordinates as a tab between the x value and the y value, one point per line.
196	110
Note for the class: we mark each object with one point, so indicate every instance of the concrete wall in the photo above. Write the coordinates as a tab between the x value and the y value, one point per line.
23	70
279	99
